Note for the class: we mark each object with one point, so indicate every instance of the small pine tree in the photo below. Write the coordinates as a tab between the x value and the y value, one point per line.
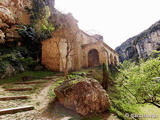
105	80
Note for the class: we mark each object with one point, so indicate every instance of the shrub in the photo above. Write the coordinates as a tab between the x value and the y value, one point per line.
135	85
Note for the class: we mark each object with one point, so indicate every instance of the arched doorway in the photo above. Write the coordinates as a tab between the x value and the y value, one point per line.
93	58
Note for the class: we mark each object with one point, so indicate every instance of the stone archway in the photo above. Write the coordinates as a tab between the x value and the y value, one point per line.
93	58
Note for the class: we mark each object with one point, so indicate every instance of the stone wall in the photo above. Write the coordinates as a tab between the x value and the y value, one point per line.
78	57
51	54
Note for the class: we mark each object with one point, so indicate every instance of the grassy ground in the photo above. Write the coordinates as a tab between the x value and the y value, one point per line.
35	74
150	112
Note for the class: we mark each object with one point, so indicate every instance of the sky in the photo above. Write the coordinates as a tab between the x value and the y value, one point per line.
115	20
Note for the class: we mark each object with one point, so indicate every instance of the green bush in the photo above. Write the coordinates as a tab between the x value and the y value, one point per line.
135	86
155	54
2	66
29	62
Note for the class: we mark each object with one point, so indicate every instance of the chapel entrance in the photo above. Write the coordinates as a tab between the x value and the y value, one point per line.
93	58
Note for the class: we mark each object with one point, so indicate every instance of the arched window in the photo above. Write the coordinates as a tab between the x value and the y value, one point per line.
111	59
115	60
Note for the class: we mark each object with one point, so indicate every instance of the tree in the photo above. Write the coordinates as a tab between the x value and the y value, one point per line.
70	47
105	81
67	32
138	81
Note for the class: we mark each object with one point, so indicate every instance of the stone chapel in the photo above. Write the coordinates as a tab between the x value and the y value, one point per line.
84	50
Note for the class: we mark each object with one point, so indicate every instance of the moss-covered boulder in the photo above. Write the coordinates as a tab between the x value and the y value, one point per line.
85	96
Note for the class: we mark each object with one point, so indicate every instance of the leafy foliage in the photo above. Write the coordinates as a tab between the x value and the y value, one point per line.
155	54
43	29
106	78
17	57
137	80
134	86
27	33
29	62
40	18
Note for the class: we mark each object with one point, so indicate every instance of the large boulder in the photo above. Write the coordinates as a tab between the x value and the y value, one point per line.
85	96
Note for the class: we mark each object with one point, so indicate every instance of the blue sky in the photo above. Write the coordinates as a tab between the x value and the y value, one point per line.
116	20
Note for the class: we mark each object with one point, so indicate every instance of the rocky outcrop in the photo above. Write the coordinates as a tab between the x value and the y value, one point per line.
141	45
85	96
1	37
16	19
12	12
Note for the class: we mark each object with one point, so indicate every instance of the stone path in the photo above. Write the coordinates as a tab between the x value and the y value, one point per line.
14	98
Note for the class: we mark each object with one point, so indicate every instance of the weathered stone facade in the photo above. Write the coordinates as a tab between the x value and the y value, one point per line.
87	51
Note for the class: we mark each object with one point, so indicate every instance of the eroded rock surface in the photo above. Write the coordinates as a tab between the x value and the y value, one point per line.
141	45
12	12
85	96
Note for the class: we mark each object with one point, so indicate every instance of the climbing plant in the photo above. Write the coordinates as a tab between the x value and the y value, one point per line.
40	18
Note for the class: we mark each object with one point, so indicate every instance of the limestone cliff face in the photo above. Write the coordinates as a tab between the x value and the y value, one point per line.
16	12
141	45
12	12
15	49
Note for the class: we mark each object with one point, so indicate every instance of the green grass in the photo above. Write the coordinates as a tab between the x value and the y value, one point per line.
148	109
35	74
51	93
96	73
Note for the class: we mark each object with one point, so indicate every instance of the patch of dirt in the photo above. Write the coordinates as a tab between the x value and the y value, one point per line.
42	97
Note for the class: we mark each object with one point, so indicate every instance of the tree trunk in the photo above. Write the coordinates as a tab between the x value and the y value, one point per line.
66	68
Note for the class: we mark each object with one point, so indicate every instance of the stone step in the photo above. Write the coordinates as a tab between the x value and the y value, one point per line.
15	110
35	82
13	98
18	89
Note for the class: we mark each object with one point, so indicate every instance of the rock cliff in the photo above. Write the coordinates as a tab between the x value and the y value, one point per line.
22	23
12	13
19	12
141	45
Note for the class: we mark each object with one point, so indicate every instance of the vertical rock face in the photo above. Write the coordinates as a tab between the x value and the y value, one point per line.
12	12
15	12
13	15
142	45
